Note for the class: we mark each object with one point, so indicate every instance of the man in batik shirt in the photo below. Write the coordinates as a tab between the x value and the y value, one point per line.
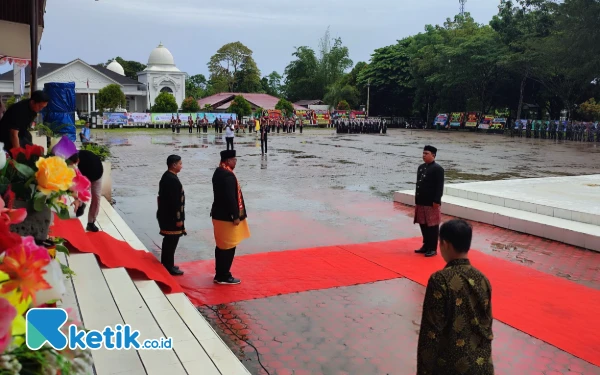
428	201
456	326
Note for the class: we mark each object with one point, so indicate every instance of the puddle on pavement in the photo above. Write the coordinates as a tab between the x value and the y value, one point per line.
305	157
287	151
452	174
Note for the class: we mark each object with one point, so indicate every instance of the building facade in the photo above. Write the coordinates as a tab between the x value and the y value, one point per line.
161	75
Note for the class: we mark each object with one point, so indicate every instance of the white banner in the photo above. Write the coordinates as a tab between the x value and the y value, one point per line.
143	118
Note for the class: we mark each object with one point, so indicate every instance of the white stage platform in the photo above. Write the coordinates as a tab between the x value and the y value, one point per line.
564	209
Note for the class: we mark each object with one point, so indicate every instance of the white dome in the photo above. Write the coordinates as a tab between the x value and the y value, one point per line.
161	56
116	67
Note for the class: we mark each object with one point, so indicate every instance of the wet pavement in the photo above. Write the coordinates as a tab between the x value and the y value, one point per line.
320	189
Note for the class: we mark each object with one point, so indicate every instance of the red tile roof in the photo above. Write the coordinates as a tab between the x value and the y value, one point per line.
222	100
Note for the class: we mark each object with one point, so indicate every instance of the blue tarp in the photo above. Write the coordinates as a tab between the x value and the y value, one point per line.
59	114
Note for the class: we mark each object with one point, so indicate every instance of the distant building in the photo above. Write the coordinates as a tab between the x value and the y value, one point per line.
307	103
221	102
161	75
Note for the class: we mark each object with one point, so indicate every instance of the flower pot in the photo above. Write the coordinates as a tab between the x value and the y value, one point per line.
36	224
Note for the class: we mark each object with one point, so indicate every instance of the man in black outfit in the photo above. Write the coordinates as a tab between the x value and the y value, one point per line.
263	138
171	213
428	201
90	165
229	215
16	122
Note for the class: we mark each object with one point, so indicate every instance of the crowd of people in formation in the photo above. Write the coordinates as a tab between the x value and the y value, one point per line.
251	125
564	130
360	126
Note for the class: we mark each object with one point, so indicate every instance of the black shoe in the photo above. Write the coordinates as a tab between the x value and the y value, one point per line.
230	281
430	253
91	227
80	210
421	251
175	271
176	267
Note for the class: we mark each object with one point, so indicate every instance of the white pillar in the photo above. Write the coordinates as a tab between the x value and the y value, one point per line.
93	102
89	103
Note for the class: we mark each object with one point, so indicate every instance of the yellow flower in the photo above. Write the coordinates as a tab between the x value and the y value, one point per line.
53	175
458	301
52	252
460	343
480	361
437	294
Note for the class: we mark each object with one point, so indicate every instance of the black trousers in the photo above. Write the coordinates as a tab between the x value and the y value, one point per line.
191	129
223	262
430	237
263	144
229	141
169	245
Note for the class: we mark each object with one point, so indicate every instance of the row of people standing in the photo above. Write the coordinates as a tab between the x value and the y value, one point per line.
570	131
360	126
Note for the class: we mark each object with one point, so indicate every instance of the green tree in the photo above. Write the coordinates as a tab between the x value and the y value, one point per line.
131	68
343	106
196	86
240	106
190	105
301	76
248	77
389	77
110	98
232	68
164	103
286	107
271	84
309	77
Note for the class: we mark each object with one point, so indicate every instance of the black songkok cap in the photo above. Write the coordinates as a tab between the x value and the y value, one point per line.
227	154
431	149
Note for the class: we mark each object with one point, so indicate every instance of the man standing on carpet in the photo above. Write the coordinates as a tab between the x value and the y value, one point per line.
456	326
228	216
90	165
428	201
171	213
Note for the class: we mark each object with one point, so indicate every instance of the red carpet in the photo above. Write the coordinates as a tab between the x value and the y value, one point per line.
113	253
557	311
271	274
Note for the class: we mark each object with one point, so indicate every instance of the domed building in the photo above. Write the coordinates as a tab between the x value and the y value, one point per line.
161	75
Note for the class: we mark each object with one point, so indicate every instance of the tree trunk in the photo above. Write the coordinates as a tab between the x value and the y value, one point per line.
520	107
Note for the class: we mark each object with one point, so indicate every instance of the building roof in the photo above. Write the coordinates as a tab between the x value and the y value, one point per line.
306	103
47	68
161	60
222	100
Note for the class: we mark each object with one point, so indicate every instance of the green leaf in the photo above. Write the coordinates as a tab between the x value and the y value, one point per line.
63	213
66	270
39	202
62	249
23	169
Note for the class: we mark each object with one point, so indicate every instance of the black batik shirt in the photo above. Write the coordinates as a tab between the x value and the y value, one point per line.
456	326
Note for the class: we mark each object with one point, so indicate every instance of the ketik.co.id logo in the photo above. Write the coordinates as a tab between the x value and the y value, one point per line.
45	326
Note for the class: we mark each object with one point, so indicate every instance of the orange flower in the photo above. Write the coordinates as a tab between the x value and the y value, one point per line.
25	272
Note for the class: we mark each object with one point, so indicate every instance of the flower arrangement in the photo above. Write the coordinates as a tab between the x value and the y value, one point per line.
43	180
31	275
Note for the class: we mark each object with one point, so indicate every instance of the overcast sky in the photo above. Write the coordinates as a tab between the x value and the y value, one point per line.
193	30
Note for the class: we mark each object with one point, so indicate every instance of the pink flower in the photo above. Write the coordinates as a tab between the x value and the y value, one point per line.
7	213
81	186
7	315
32	250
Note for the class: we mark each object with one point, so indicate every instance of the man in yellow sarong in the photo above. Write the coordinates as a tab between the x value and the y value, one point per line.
228	216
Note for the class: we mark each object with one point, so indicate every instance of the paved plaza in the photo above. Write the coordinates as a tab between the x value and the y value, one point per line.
322	189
